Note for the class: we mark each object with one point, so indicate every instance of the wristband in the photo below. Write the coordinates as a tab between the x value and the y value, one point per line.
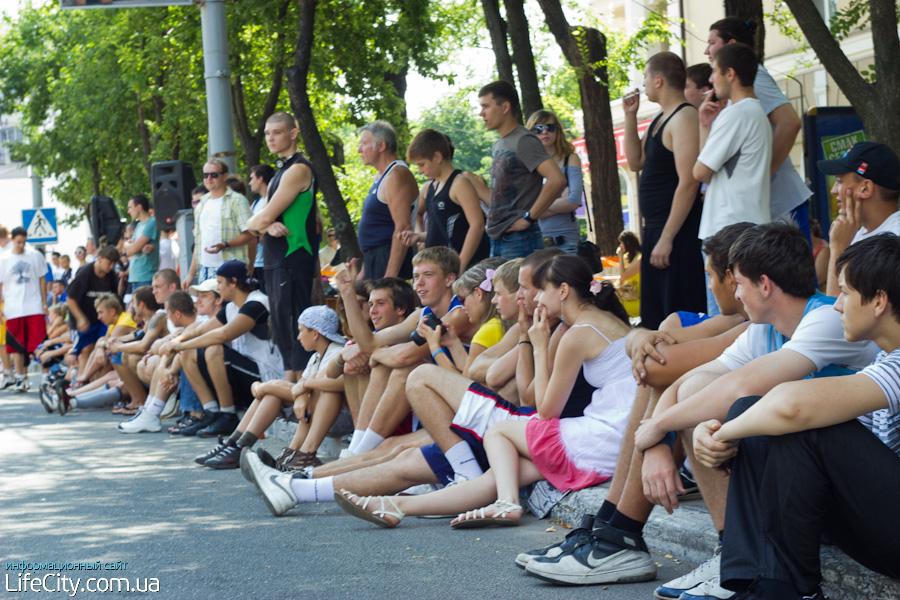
226	244
340	361
436	352
669	440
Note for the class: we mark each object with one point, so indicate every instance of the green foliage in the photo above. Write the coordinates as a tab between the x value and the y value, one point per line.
457	116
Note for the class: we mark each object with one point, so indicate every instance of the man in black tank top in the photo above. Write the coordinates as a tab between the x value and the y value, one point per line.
668	195
289	249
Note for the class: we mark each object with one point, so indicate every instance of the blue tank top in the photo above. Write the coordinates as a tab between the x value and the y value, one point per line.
376	226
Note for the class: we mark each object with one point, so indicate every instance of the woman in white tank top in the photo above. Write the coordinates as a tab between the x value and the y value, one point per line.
572	453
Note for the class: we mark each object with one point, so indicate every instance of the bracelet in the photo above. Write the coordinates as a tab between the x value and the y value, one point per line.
669	440
436	352
226	243
340	361
525	342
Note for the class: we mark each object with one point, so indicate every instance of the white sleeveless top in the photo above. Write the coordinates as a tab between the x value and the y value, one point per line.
592	441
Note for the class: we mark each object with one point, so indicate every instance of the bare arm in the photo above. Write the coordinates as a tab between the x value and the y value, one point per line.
401	190
685	146
482	366
681	358
464	194
787	126
634	144
295	180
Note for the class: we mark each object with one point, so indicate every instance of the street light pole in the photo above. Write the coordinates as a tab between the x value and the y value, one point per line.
218	82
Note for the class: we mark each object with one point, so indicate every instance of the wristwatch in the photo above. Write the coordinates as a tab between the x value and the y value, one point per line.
527	217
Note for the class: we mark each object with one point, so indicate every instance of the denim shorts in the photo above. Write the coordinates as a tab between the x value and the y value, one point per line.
518	244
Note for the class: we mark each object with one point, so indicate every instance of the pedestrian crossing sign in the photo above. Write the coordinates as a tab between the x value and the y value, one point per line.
40	223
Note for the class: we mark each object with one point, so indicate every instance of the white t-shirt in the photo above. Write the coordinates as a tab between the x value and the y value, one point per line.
885	423
166	254
21	275
890	225
255	344
211	232
739	151
788	191
819	337
315	361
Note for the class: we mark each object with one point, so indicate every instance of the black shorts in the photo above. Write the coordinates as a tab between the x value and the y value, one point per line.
375	262
242	373
289	295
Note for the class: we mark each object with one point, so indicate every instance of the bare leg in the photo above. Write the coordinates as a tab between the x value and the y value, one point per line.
109	378
19	362
393	406
391	477
325	412
215	365
189	365
263	415
377	383
133	385
639	410
435	395
385	451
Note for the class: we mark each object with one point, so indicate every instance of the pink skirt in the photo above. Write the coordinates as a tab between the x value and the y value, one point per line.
549	455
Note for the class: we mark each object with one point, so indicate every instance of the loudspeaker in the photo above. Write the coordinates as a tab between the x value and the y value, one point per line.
172	183
105	220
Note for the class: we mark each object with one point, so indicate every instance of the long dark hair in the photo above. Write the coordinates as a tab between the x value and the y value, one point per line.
575	272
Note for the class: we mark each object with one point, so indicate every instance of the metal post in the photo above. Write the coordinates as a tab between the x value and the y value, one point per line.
218	82
184	225
37	191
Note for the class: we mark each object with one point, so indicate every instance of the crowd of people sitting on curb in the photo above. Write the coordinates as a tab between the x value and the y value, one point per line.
522	370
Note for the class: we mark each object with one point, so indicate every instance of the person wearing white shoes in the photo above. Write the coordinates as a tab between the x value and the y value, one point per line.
181	312
23	290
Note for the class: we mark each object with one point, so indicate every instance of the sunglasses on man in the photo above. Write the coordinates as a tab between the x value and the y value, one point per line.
211	175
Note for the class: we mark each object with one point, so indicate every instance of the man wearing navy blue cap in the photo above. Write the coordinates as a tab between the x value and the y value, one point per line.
227	354
867	187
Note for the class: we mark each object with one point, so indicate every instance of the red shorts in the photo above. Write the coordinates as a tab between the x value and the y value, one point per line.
28	332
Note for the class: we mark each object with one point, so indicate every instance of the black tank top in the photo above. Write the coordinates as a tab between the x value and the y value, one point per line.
659	177
579	398
447	224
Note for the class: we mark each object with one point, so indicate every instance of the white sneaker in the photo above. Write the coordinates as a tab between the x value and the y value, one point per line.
705	572
21	385
48	398
142	422
171	408
7	380
708	590
273	485
346	453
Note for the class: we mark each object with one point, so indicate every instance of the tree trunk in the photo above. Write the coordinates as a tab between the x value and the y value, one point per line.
315	148
398	82
875	103
585	49
252	141
750	10
523	58
497	28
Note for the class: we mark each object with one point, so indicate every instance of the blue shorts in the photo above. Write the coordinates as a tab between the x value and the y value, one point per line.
518	244
691	318
115	359
438	463
88	338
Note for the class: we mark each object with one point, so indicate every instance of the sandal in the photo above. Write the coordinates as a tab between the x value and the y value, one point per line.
357	508
183	423
298	460
477	518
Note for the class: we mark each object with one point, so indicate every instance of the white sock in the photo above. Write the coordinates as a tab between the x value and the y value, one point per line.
370	440
463	461
229	409
154	406
211	406
313	490
356	439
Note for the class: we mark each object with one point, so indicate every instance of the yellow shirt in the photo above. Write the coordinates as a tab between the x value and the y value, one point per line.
124	319
489	334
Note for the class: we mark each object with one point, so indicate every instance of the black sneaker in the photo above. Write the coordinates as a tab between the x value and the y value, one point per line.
62	396
48	399
228	458
201	460
691	489
266	458
205	421
224	423
575	538
612	556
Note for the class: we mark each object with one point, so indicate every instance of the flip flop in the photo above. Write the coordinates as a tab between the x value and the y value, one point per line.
477	518
357	508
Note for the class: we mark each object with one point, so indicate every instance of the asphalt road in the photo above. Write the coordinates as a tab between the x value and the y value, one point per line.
73	489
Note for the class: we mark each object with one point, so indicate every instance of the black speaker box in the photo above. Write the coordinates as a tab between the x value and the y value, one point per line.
105	220
172	183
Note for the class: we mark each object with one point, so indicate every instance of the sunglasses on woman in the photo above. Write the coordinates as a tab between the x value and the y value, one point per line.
549	127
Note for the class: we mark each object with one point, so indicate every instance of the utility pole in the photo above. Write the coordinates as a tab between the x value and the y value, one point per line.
218	82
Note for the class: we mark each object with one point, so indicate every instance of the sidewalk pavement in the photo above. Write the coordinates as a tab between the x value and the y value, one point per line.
687	534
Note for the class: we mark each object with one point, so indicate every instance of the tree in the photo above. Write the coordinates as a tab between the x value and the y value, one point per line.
497	28
585	49
454	116
523	57
875	101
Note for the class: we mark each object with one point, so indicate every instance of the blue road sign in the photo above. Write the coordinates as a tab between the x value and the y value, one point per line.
40	223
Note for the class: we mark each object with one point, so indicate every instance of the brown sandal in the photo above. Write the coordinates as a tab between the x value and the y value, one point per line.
301	460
